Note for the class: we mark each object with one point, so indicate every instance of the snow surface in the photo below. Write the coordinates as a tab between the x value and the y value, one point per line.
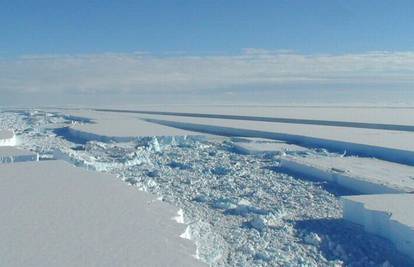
363	175
11	154
57	215
390	216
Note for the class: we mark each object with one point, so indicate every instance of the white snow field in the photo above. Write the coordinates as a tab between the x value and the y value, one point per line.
7	138
53	214
12	154
241	208
389	215
363	175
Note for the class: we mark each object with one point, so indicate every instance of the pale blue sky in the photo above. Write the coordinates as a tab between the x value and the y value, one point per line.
214	26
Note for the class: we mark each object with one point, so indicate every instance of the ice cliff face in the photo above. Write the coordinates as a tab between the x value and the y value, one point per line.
241	209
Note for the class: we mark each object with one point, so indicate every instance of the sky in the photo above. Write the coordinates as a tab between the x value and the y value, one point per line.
116	52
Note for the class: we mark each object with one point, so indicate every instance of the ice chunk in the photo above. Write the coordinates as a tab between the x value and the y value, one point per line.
390	216
244	210
179	165
223	204
256	223
313	239
180	216
220	171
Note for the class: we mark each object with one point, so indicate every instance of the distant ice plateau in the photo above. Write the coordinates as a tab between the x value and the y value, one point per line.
249	192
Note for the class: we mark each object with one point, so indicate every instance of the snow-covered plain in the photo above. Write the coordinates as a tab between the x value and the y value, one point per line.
241	208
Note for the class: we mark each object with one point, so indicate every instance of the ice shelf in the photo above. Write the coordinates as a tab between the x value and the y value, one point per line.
107	126
54	214
363	175
7	138
367	114
388	215
11	154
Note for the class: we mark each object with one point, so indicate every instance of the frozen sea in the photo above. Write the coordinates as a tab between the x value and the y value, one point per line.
241	208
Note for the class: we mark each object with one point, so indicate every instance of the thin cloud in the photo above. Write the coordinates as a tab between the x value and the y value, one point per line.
144	72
